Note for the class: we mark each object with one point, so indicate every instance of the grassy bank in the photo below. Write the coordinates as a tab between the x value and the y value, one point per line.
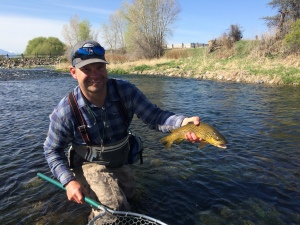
244	62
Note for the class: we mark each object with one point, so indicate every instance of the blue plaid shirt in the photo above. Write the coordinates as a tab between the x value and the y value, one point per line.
104	123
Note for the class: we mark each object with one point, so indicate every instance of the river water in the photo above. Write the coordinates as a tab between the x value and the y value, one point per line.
255	181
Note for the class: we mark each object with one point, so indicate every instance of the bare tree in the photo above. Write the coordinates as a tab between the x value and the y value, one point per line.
288	12
78	31
149	23
114	33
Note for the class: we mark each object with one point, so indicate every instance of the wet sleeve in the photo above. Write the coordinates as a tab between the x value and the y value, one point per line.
57	141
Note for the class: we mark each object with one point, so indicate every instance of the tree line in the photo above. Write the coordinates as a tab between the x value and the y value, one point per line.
140	29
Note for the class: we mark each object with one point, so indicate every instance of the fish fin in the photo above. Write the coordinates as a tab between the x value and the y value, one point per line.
166	142
202	144
178	141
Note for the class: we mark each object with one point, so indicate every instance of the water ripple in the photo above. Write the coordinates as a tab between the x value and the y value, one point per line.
255	181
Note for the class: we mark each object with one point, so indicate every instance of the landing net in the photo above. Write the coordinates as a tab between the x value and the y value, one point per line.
124	218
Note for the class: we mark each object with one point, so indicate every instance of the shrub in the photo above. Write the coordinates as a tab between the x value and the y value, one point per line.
292	39
235	33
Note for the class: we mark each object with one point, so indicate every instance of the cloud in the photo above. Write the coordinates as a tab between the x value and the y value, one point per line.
16	31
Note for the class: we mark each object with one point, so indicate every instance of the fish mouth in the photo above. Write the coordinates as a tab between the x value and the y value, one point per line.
222	146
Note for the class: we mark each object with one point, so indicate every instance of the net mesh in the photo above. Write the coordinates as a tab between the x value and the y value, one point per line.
128	219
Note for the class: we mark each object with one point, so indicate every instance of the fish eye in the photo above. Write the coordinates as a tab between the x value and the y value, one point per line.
216	136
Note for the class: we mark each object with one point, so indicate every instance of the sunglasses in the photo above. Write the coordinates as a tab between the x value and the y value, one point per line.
86	52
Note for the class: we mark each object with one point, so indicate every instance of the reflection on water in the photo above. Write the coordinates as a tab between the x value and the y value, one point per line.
254	181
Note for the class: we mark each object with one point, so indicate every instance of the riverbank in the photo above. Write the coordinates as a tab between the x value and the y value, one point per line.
218	71
245	62
261	70
9	63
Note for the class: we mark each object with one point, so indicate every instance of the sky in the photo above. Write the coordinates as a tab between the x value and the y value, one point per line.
199	20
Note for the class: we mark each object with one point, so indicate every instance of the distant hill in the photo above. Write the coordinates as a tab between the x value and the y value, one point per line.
4	52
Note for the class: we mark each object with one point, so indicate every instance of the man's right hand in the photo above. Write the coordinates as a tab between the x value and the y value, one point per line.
75	192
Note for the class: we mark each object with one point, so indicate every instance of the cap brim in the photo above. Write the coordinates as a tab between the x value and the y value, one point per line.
89	61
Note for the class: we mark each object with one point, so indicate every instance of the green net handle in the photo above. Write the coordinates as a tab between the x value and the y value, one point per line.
58	184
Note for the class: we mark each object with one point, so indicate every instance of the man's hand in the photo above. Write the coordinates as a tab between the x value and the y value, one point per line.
194	119
75	192
190	136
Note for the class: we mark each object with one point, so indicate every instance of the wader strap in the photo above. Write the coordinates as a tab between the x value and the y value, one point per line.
123	111
79	118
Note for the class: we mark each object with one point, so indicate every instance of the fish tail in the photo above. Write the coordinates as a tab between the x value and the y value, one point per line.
165	141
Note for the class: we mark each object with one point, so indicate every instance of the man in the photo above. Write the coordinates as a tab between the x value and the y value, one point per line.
98	101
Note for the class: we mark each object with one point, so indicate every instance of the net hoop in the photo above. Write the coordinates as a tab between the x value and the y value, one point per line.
122	217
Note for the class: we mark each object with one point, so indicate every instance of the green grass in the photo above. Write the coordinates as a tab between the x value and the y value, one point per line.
243	48
143	67
167	64
291	75
241	56
117	71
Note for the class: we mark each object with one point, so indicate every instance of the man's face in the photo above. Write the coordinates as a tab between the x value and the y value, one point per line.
91	78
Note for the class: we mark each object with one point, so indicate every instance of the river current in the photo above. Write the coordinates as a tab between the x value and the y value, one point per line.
256	180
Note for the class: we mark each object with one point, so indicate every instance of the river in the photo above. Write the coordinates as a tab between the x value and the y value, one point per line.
256	180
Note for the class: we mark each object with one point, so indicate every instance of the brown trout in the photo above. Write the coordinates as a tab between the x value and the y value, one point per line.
207	133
